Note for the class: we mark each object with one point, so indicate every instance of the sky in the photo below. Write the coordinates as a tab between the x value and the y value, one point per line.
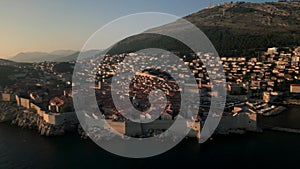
48	25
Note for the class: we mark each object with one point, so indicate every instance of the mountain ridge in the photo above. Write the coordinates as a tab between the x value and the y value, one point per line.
237	28
55	56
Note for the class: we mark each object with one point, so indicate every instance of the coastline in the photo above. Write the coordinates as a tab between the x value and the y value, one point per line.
292	102
21	117
278	110
22	148
28	119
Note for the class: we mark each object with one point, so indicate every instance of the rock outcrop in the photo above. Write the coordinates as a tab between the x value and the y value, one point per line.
9	112
31	120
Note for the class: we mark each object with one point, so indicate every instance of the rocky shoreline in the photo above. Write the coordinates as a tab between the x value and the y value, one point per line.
10	113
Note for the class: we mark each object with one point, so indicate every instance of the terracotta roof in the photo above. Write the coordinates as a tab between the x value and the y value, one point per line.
57	101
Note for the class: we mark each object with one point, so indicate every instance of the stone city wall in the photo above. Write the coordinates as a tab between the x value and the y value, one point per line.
6	97
60	118
51	118
25	103
244	121
138	129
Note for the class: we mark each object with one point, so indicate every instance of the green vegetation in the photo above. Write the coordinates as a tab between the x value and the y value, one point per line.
242	29
32	110
66	109
6	72
63	67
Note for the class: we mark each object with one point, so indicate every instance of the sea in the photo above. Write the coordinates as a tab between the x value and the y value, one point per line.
26	149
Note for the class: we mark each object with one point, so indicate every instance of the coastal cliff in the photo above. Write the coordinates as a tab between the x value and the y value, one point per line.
31	120
8	111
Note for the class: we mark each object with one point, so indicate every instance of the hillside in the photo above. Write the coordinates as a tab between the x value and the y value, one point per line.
73	57
234	28
63	52
6	62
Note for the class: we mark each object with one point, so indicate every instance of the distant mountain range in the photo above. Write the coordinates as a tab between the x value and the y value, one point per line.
43	56
55	56
234	29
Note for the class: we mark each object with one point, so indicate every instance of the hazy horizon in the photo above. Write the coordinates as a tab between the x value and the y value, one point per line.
46	26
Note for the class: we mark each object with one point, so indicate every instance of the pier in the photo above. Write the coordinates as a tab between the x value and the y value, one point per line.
283	129
273	111
292	102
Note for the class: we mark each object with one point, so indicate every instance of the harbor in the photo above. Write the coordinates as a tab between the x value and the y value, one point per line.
282	129
265	109
286	121
272	111
292	102
27	149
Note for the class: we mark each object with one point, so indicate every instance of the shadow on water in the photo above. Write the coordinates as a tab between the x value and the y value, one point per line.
288	119
21	148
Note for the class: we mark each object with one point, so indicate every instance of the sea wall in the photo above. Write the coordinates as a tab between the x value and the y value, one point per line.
51	118
21	112
237	124
60	118
7	97
48	124
31	120
292	101
142	129
24	102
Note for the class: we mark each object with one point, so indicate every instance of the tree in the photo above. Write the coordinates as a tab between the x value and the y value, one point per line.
66	109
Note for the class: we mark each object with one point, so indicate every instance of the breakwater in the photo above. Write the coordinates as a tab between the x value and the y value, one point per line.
283	129
292	102
275	111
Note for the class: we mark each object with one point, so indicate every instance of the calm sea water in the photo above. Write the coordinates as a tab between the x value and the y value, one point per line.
21	148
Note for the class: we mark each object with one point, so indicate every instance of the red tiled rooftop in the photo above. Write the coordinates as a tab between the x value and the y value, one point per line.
57	101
